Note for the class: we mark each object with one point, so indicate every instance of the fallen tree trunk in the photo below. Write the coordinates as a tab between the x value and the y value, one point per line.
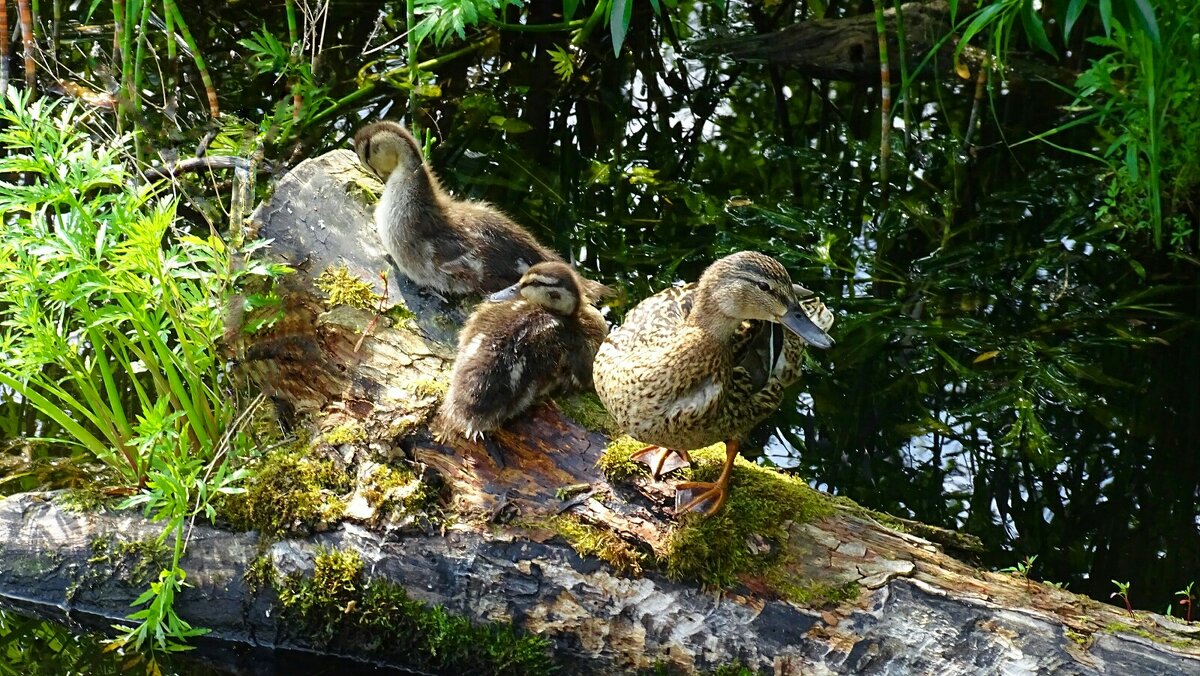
827	587
847	48
843	48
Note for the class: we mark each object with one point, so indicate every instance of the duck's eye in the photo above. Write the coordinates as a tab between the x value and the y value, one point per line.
763	286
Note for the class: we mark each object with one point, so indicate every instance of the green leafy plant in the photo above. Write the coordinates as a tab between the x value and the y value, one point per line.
1187	600
1022	569
112	319
1123	593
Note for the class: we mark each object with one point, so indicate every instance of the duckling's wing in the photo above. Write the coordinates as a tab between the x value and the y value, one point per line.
504	249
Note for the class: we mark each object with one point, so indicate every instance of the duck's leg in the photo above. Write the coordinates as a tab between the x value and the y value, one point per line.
716	491
661	460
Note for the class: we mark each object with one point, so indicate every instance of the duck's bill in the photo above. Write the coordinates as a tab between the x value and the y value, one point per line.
800	324
505	294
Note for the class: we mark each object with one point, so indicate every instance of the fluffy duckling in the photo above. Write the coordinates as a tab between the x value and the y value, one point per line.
706	362
536	338
447	245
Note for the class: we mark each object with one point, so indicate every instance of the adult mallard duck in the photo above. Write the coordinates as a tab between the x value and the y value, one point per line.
687	368
533	339
441	243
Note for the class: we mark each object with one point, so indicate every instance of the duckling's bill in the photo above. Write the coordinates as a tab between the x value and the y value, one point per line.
799	323
507	293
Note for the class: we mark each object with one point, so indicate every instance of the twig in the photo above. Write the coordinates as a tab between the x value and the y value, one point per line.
203	163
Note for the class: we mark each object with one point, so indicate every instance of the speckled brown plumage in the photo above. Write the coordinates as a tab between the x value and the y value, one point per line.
706	362
513	353
448	245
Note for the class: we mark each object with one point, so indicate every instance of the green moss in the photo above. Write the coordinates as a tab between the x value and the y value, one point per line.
391	487
399	313
350	433
342	288
1080	638
735	669
83	500
1114	627
431	388
340	610
286	490
585	408
588	540
615	462
137	561
715	550
812	592
259	574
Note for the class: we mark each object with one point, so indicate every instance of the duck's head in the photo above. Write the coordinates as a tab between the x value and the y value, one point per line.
554	286
385	147
751	285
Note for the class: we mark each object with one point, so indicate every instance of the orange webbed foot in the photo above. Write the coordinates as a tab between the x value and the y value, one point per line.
714	492
711	498
661	460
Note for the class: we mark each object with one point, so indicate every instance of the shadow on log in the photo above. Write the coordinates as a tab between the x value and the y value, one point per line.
904	606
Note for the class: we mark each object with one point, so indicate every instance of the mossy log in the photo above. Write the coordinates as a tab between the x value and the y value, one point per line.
548	542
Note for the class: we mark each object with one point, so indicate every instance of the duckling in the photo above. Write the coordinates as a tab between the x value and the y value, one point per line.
535	338
706	362
447	245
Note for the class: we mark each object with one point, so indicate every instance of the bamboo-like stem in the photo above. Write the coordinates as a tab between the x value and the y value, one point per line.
294	60
591	23
135	96
172	53
56	29
414	70
27	42
885	98
902	57
118	38
3	46
169	6
977	105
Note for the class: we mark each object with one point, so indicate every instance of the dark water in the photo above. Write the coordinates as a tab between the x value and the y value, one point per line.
1006	364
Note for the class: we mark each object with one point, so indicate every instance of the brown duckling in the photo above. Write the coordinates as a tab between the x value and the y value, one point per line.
447	245
703	363
536	338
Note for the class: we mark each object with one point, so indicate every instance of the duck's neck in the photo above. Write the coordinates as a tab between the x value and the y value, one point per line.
413	196
707	315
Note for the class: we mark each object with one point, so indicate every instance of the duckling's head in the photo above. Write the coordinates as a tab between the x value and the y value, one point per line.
751	285
385	147
552	285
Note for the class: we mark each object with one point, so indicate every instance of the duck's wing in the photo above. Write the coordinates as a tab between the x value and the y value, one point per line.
656	319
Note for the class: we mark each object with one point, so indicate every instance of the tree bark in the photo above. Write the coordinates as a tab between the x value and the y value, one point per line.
917	609
847	48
